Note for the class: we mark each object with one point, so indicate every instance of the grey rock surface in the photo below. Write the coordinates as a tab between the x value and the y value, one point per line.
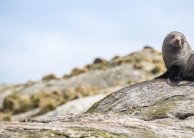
100	125
150	100
148	109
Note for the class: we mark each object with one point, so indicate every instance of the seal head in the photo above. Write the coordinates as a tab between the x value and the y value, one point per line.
174	40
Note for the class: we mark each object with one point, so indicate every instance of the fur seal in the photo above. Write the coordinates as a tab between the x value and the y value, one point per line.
176	52
188	72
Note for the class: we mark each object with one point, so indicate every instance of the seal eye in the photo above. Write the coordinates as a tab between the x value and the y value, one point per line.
172	36
182	41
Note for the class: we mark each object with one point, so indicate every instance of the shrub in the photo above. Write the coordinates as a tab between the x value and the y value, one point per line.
48	101
16	103
49	77
5	117
158	69
99	60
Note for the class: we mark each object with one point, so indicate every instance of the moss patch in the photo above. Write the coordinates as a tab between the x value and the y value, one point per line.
190	128
161	109
156	112
35	134
85	132
93	107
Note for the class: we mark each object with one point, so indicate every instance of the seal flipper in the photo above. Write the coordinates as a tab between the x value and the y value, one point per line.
175	80
175	75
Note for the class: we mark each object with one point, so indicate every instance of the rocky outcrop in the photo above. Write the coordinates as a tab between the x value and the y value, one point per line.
101	125
150	100
148	109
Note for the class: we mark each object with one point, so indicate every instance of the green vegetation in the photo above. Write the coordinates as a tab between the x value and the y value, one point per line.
136	59
17	103
93	107
49	77
46	101
157	69
86	132
161	109
157	112
75	71
5	117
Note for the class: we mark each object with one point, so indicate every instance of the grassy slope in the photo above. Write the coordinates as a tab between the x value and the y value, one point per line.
92	79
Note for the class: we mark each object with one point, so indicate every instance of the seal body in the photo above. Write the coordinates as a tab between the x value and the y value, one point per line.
176	50
176	53
188	72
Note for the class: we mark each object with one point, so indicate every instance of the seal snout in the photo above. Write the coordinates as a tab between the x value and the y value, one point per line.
176	41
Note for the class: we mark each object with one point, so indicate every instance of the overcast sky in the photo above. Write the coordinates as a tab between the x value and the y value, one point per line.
38	37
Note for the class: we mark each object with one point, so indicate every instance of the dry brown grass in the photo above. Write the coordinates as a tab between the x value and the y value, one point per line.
47	101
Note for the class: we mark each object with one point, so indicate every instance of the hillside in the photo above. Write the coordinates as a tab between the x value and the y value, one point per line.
20	101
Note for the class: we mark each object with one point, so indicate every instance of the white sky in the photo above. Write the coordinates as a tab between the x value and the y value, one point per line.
39	37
